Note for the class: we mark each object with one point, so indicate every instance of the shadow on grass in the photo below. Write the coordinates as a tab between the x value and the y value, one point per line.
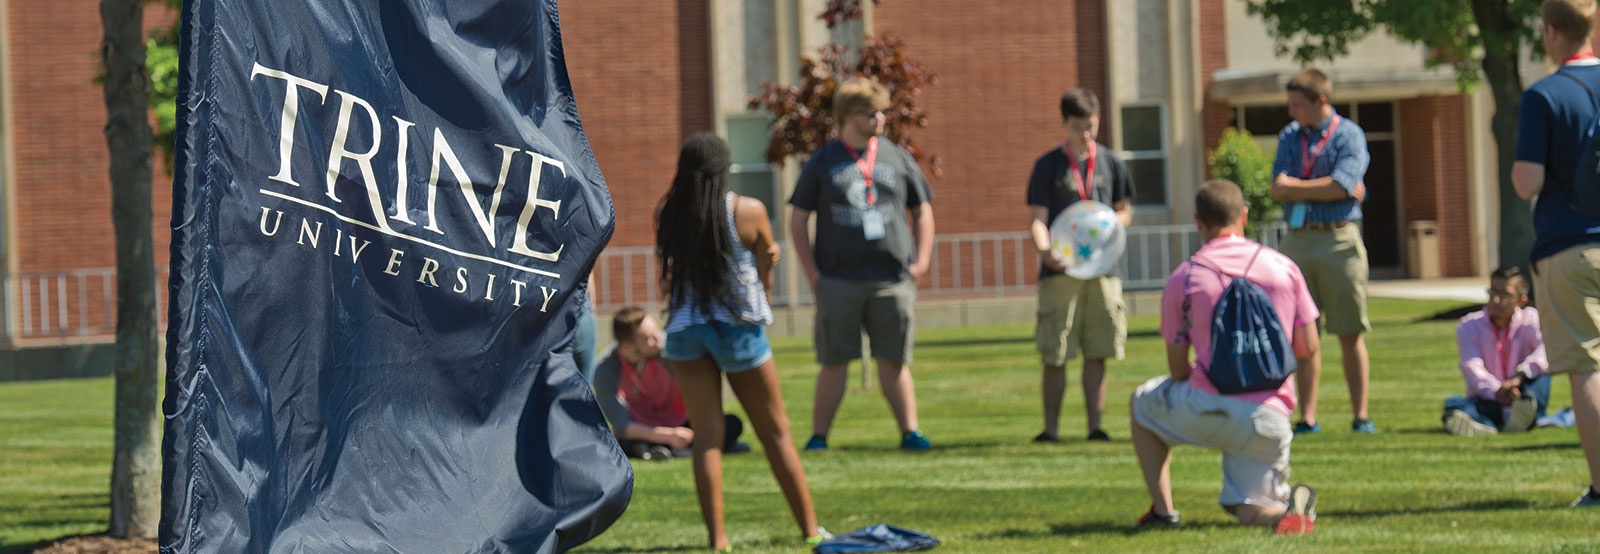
1451	314
1504	504
1542	447
960	343
621	549
1089	528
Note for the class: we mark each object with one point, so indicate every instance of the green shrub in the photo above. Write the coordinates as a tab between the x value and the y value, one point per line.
1238	159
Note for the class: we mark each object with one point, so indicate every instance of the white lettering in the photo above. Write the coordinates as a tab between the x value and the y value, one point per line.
401	183
517	299
394	262
488	292
337	153
428	267
519	244
291	112
461	280
443	152
305	231
355	253
275	223
548	292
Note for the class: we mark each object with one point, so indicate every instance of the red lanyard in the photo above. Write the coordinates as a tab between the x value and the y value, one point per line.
1502	347
1578	57
866	164
1083	188
1309	158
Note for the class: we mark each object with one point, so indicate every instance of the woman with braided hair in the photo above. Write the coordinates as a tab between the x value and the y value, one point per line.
717	252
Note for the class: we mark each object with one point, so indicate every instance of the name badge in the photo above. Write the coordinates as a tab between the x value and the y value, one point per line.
1297	215
872	224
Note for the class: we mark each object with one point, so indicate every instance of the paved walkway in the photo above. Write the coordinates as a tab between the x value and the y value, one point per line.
1467	289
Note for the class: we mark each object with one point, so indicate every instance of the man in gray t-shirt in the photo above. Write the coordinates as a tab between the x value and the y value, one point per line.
867	258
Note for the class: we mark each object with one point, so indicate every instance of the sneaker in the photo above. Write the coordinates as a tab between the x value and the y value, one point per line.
1588	500
1304	427
1458	423
915	440
817	442
739	447
1364	425
1302	516
1046	437
1152	521
822	535
1098	435
1523	411
657	453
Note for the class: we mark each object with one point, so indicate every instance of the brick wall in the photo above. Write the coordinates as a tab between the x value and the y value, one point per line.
1215	115
641	73
1433	174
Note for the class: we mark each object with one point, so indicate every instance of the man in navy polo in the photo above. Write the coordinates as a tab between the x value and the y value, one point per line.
1318	176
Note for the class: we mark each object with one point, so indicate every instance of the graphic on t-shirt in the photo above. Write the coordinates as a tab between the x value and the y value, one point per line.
847	177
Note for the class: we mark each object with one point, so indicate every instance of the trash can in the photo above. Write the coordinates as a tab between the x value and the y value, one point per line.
1422	249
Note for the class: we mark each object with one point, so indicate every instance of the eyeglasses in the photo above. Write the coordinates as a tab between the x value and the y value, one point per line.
869	113
1501	295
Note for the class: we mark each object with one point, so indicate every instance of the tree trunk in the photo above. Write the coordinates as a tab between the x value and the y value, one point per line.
136	463
1502	71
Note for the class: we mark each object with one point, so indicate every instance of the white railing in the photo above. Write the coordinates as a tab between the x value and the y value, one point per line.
963	265
80	305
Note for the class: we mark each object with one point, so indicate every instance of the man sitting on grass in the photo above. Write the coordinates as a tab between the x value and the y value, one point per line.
1502	360
641	400
1250	428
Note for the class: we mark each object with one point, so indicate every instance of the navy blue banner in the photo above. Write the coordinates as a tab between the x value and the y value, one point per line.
384	212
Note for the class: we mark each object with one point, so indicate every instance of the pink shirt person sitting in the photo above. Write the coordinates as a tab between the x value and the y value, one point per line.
1502	361
1251	429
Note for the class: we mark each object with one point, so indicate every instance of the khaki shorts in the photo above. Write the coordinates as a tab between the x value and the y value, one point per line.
1254	438
1568	285
1334	262
1080	315
845	308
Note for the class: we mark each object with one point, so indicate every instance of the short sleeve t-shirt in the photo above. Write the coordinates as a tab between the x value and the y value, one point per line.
831	186
1279	277
1554	114
1053	187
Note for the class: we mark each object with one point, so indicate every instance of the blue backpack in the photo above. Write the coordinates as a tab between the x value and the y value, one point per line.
1584	191
1249	349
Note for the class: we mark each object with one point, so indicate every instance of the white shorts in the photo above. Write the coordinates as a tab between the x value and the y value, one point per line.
1254	438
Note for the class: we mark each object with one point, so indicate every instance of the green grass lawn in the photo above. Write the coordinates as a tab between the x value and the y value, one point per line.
985	488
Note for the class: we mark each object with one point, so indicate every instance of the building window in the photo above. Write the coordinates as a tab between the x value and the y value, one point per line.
1144	147
751	175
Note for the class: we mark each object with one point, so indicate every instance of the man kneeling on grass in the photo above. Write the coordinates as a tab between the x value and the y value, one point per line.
1250	428
1502	360
640	398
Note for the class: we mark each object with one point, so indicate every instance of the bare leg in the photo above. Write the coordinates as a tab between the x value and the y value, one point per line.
1250	514
898	389
1094	390
1155	461
1586	409
757	390
701	384
1305	381
830	393
1356	371
1054	385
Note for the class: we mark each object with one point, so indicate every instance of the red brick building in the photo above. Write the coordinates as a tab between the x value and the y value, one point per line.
1171	76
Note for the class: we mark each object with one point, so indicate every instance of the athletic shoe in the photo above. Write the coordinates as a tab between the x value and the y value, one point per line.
657	453
1523	411
817	442
1302	516
822	535
1046	437
915	440
1458	423
739	447
1098	435
1304	427
1588	500
1364	425
1152	521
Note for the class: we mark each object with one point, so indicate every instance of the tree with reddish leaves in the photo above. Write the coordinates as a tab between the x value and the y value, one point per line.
802	115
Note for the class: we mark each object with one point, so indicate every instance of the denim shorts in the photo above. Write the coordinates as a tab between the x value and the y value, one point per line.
734	348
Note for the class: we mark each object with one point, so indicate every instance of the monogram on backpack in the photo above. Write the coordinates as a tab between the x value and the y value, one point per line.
1584	187
1250	351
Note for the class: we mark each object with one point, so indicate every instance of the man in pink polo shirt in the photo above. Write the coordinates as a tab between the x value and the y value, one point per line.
1252	429
1502	361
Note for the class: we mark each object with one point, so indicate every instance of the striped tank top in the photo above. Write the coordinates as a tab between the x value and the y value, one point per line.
750	297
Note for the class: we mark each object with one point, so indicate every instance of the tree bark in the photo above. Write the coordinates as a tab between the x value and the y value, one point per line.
136	463
1503	73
